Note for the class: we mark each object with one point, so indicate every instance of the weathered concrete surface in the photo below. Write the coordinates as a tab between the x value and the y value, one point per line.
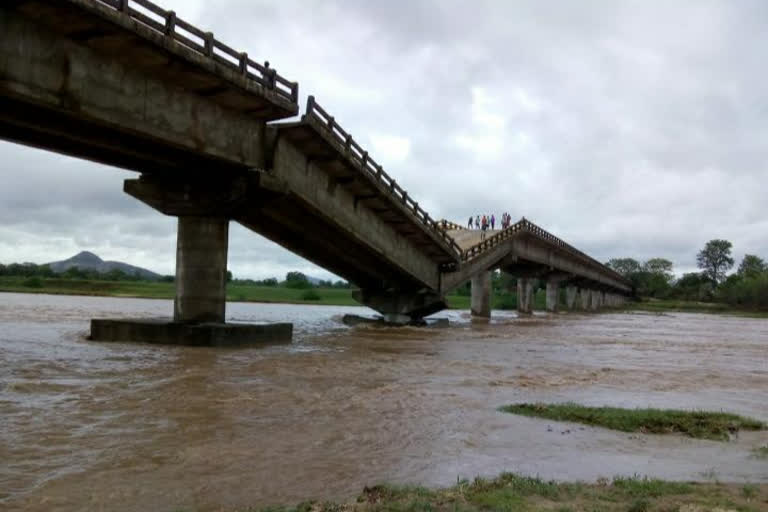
201	269
174	333
401	307
524	248
595	300
571	293
553	296
481	295
102	102
585	298
525	295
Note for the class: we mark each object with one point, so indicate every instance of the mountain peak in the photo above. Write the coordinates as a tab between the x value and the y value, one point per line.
86	257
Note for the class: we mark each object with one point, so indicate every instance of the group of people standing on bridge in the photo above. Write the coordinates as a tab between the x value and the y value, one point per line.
485	222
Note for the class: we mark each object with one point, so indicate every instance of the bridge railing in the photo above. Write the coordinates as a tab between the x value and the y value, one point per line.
526	226
447	225
204	43
359	157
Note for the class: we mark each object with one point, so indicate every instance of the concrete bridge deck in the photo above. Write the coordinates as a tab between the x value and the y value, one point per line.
130	84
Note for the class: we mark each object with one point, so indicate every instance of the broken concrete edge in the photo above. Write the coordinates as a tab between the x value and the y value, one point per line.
166	332
354	320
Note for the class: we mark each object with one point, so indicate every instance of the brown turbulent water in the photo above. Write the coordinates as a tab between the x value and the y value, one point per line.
90	426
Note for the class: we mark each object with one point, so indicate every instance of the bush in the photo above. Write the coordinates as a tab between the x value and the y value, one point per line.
506	301
310	295
33	282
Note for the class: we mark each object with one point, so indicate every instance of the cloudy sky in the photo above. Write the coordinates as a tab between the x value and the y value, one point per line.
633	128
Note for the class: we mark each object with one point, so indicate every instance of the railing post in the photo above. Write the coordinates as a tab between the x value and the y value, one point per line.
209	44
330	122
310	104
122	5
295	91
347	142
244	63
379	170
170	23
365	159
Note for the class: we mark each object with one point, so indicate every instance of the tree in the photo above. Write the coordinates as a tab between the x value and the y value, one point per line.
751	266
296	280
624	266
660	267
715	260
692	286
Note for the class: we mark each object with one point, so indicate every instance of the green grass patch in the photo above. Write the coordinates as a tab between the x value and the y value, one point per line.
698	424
761	452
684	306
511	492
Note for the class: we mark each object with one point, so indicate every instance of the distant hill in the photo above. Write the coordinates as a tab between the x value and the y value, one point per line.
89	261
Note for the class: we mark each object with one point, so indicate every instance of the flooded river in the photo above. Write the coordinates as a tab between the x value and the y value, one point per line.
94	426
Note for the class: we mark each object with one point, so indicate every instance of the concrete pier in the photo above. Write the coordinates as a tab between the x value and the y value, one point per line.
571	293
201	270
585	298
553	295
525	295
594	300
481	295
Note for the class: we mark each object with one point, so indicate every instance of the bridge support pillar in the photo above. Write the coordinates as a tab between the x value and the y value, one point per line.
481	295
203	209
553	295
595	300
525	295
584	298
571	293
201	269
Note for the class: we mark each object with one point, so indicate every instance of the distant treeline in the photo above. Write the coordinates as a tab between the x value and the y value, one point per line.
747	287
32	270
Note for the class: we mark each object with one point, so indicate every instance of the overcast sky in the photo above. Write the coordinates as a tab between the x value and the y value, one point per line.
626	128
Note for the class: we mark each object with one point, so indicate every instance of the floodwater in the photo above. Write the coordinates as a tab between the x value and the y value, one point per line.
95	426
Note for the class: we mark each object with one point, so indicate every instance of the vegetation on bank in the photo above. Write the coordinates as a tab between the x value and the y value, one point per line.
698	424
237	291
745	290
511	492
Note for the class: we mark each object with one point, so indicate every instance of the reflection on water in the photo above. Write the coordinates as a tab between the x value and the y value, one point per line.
85	425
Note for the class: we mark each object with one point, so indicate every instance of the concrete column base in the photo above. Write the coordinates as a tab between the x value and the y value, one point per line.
525	295
166	332
481	295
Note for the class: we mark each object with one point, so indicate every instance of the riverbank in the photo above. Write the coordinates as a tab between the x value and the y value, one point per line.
510	492
683	306
321	296
235	292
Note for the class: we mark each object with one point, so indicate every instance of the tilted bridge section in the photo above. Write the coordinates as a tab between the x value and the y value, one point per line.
129	84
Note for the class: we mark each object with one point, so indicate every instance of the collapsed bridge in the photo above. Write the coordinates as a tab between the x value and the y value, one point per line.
129	84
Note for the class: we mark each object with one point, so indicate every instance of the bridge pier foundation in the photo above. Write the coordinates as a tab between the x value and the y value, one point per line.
481	295
202	244
525	295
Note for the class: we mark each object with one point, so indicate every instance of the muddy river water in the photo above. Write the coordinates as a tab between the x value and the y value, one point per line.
93	426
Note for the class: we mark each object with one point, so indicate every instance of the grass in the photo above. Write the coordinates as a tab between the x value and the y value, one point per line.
684	306
761	452
512	492
235	292
698	424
